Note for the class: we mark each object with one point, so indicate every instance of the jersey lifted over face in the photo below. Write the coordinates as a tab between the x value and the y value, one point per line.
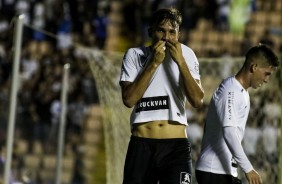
164	99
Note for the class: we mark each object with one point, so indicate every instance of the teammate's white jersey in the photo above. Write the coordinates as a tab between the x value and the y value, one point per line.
229	107
164	98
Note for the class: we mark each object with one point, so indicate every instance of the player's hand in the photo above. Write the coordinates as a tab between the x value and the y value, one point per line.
159	50
175	50
253	177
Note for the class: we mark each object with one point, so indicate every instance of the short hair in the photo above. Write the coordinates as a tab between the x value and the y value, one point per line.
166	14
262	51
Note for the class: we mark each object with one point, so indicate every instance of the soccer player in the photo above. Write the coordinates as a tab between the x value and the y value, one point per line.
221	150
157	80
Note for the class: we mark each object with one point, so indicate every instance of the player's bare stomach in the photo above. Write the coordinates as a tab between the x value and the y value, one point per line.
159	130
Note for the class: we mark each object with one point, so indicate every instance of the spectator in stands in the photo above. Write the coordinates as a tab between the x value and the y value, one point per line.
76	112
239	15
39	67
42	114
64	33
188	10
39	21
157	80
100	24
221	151
223	15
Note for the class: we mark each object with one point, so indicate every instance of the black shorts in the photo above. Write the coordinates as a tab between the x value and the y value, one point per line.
212	178
149	161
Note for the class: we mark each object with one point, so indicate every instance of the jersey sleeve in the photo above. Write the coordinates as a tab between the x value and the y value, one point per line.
192	62
233	142
128	68
227	107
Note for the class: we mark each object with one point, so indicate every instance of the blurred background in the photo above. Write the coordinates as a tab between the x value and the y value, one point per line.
219	31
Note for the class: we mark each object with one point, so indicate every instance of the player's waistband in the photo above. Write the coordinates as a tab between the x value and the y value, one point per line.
145	139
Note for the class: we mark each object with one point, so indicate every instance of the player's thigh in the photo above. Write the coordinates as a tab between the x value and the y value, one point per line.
177	166
139	167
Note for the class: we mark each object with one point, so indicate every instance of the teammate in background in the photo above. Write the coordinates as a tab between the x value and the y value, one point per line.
226	119
157	81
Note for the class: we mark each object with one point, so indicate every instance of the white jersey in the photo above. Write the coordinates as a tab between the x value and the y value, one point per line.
229	106
164	98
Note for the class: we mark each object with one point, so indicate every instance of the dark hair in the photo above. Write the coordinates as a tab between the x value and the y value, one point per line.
263	51
169	14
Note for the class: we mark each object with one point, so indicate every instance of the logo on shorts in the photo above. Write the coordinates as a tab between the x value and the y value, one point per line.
185	178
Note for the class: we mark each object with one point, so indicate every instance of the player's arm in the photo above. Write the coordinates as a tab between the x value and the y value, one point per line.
132	92
193	88
233	142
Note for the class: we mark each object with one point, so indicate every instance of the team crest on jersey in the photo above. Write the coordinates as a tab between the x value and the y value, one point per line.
185	178
196	66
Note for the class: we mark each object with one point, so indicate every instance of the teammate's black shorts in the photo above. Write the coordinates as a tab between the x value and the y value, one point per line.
212	178
149	161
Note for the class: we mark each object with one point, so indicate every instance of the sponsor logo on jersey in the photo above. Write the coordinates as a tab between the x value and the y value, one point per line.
153	103
230	98
185	178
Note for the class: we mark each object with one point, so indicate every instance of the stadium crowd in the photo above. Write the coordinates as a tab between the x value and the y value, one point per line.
85	22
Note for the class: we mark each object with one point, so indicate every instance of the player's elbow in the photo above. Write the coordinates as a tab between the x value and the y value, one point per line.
127	97
198	100
128	103
197	103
